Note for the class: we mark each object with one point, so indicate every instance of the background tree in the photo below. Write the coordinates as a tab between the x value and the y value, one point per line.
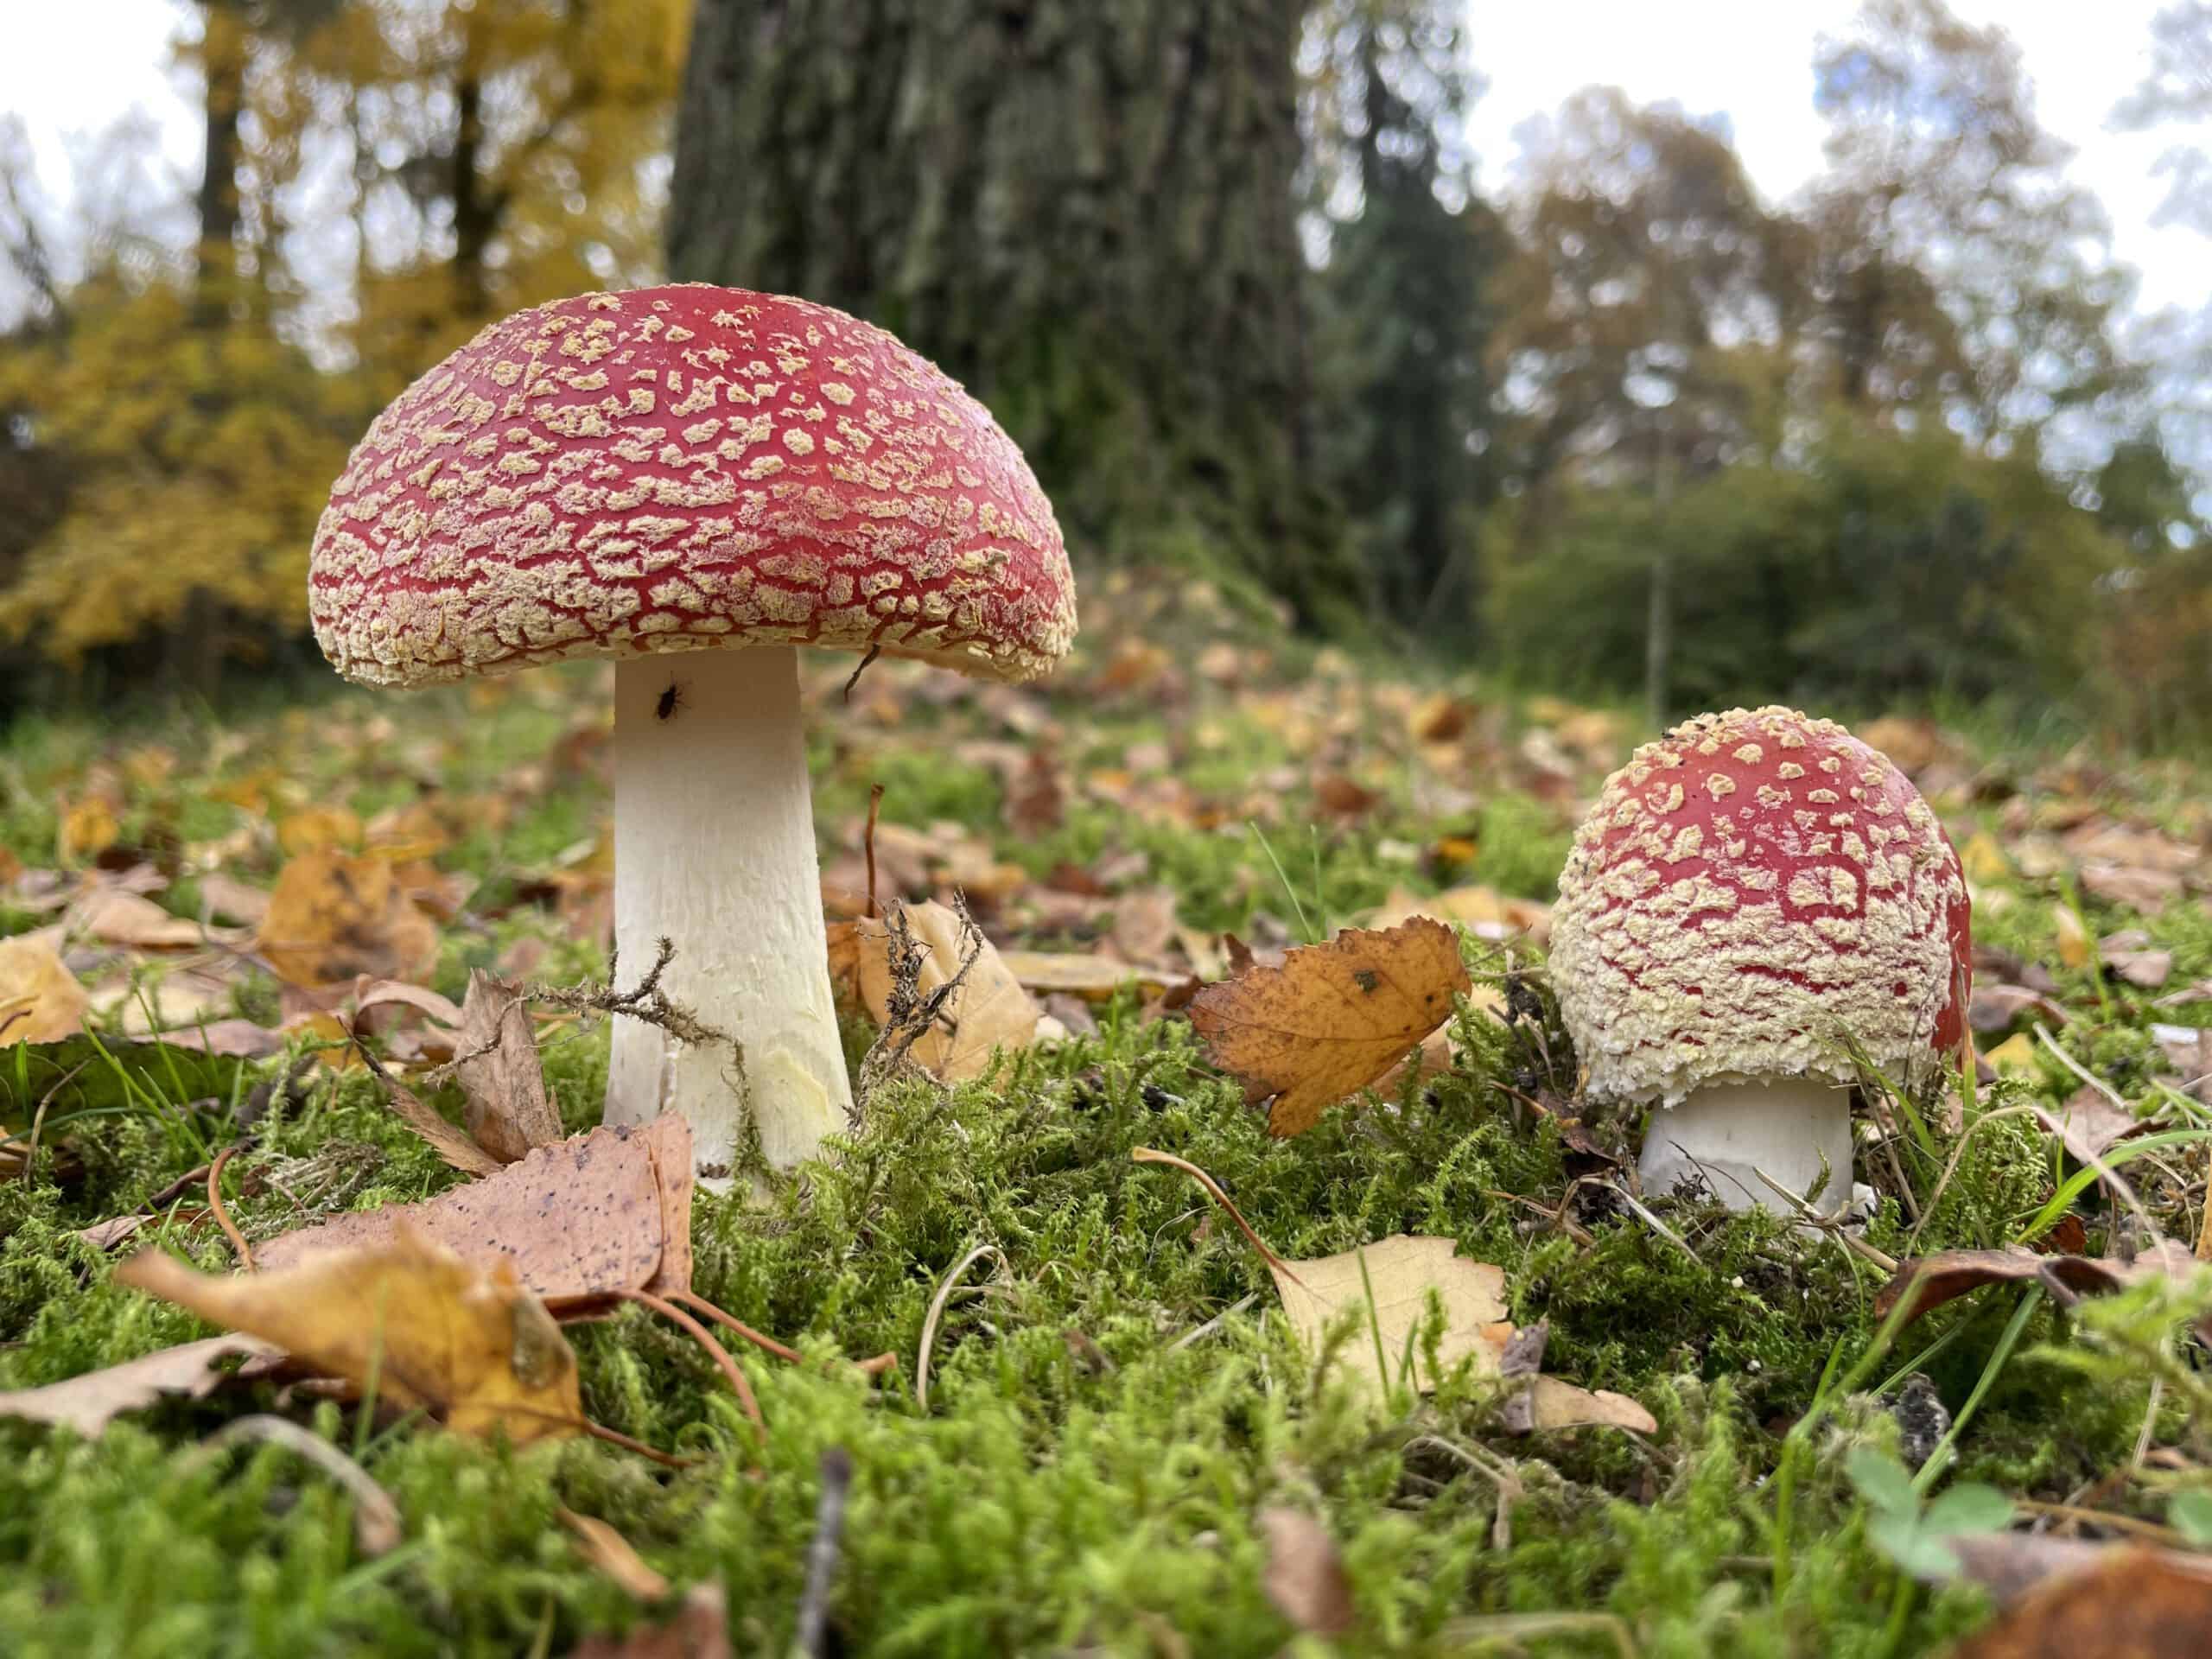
1084	209
1403	299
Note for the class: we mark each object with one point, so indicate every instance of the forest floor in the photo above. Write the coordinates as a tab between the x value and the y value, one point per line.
1125	1446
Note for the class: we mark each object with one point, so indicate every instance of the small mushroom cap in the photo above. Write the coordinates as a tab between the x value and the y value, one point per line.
1746	890
684	468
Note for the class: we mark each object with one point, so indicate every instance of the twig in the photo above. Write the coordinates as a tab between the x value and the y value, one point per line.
38	1120
376	1516
1495	1470
1147	1155
2043	1036
2133	1526
910	1013
1635	1208
1213	1324
692	1299
873	651
648	1002
1830	1225
812	1636
616	1437
868	846
937	1312
705	1339
222	1216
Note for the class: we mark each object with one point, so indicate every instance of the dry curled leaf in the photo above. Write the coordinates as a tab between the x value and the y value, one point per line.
1934	1280
334	916
578	1223
40	1001
439	1333
989	1010
614	1555
699	1630
1306	1578
2130	1604
508	1114
90	1403
1333	1018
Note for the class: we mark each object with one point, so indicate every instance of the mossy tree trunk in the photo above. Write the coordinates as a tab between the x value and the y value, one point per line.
1084	209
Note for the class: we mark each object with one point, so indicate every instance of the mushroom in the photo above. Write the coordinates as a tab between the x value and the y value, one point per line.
696	481
1753	897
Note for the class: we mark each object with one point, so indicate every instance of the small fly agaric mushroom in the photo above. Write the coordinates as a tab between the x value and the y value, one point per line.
693	469
1752	897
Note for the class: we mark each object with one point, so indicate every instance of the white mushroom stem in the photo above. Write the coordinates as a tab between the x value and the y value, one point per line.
714	849
1782	1126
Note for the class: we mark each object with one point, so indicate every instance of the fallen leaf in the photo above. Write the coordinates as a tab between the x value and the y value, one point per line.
508	1114
2145	970
1999	1007
1935	1279
2130	1604
2075	946
700	1630
1093	978
88	828
2145	890
318	829
1983	860
232	899
441	1334
2018	1054
1390	1280
114	917
1333	1018
613	1554
334	916
1305	1576
40	1001
452	1143
2091	1125
605	1211
990	1011
1556	1403
1144	924
90	1403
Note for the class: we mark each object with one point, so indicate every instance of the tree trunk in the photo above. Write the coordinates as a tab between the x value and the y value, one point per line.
1083	209
223	58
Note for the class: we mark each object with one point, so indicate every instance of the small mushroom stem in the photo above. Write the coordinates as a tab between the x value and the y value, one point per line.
1786	1127
714	849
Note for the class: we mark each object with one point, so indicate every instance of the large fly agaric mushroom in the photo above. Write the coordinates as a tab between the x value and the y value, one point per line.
696	481
1754	896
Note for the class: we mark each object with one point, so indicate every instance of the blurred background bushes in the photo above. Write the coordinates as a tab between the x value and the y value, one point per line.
1224	267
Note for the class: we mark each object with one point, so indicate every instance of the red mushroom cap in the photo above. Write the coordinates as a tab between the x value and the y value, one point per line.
679	467
1747	888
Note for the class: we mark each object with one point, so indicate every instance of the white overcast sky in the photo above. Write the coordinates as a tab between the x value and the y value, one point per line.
70	69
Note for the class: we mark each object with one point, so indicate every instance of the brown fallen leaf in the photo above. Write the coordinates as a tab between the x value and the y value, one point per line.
231	899
115	917
508	1114
2132	1604
451	1142
1935	1279
465	1342
2091	1125
334	916
1333	1018
40	1001
1305	1576
989	1010
700	1630
90	1403
607	1211
613	1554
2009	1565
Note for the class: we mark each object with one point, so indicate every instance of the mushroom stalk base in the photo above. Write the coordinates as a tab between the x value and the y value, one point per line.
714	850
1783	1126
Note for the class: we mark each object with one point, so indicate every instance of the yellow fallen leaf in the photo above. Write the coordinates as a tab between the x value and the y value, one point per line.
40	1001
2016	1053
1389	1281
88	828
334	915
1333	1018
991	1010
467	1342
1094	978
2075	945
1983	860
315	829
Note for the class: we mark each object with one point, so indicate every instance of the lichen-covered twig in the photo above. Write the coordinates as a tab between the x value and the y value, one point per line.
648	1002
910	1011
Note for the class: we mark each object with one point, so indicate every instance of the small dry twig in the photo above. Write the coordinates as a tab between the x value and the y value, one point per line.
812	1636
222	1216
873	651
376	1516
911	1012
937	1312
648	1002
